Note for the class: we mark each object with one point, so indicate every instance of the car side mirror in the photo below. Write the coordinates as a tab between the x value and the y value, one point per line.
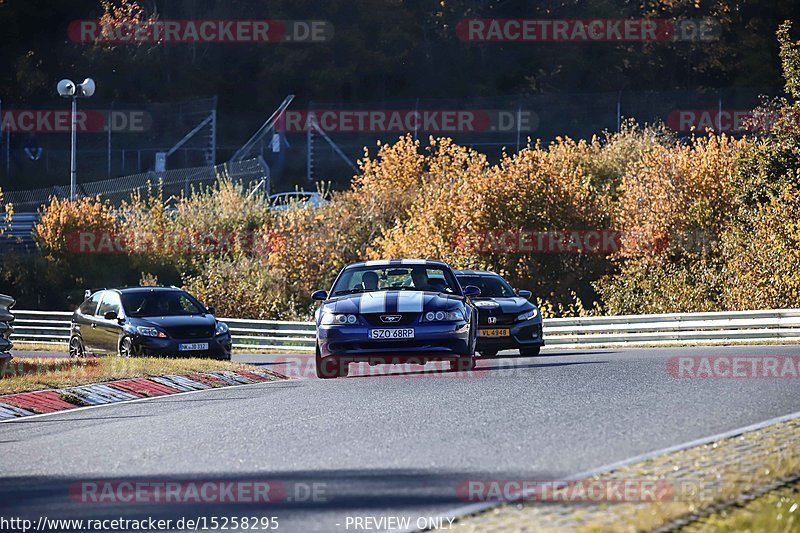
212	310
525	294
319	296
111	315
472	290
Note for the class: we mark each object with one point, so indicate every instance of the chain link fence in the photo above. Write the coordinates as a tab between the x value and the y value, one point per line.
114	139
171	182
495	125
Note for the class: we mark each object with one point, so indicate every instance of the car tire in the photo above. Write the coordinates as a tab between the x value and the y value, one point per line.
127	348
488	353
329	367
462	364
76	348
466	363
530	352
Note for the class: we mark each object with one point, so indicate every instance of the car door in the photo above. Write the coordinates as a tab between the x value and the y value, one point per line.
108	331
86	321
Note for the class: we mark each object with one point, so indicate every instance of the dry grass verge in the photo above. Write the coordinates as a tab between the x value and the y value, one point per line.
777	511
707	482
31	374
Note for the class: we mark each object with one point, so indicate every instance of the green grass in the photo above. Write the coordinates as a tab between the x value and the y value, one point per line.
777	511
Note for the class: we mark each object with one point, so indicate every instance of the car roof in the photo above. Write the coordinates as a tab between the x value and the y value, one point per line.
399	263
485	273
130	290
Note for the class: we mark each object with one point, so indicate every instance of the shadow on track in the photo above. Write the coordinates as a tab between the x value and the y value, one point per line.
292	493
462	374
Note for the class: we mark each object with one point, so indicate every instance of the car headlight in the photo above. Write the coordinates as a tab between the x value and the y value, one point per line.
340	319
443	316
221	329
527	315
150	332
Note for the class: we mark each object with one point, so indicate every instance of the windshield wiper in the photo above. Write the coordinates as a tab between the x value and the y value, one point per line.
350	291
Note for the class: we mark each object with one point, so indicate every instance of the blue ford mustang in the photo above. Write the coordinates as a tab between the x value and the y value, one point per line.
399	311
506	318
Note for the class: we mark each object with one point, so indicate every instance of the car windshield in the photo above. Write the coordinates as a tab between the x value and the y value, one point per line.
413	278
288	199
160	303
490	286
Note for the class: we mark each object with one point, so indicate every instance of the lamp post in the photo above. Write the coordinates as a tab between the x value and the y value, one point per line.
68	89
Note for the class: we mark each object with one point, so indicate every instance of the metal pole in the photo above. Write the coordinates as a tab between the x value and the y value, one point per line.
1	125
8	142
619	111
416	122
214	136
519	124
109	115
72	180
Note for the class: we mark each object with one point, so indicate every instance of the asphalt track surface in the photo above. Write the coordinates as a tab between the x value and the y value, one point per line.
396	444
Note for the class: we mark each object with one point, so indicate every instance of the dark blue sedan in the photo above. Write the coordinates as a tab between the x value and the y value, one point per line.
147	321
399	311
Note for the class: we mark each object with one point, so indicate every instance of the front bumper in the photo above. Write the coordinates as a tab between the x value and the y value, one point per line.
431	342
219	347
527	334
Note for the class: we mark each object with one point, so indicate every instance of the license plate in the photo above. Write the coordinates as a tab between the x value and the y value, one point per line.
193	347
500	332
402	333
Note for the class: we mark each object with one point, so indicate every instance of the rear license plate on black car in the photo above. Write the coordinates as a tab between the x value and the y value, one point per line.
193	347
404	333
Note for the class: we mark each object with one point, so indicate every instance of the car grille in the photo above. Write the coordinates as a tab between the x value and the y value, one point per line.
502	320
374	319
191	332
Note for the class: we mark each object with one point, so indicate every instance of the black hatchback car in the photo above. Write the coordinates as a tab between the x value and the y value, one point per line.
147	321
507	319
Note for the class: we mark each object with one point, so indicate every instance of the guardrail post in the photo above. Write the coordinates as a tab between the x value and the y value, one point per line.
6	319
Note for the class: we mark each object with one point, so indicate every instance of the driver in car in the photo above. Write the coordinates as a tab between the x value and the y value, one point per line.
420	278
369	281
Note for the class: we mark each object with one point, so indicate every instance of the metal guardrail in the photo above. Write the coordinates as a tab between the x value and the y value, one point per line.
17	234
6	319
44	327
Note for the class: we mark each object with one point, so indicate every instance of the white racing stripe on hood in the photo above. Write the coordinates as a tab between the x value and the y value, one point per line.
410	302
372	302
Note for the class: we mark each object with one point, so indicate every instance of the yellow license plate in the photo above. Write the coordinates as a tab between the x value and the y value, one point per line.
501	332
